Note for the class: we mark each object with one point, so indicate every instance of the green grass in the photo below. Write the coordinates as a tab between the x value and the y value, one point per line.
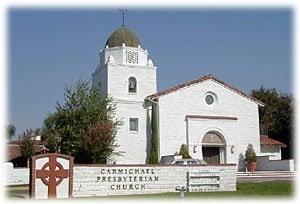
267	189
17	191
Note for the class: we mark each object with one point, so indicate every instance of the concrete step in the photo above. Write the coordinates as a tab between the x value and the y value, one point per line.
265	174
269	176
268	173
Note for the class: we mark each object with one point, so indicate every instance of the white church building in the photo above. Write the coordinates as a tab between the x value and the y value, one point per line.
215	120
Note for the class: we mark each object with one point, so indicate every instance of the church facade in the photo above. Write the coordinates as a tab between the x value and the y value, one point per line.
215	120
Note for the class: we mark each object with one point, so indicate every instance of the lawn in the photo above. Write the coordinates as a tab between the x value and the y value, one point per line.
17	191
267	189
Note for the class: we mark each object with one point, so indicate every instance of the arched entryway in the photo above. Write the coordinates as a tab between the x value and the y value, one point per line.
213	148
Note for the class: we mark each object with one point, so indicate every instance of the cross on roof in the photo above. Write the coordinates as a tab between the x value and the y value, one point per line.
123	10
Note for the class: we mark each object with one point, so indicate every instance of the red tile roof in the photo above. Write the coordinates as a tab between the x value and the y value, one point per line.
201	79
269	142
212	117
14	151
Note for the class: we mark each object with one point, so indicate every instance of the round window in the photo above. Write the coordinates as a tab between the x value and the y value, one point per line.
209	99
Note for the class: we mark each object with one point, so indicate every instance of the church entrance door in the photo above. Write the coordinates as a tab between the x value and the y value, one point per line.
211	155
213	148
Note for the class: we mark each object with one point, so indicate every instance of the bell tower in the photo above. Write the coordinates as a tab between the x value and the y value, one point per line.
126	73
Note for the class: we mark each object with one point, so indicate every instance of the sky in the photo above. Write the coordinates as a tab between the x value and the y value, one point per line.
51	48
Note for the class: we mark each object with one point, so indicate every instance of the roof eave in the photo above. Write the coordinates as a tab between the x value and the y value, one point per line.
204	78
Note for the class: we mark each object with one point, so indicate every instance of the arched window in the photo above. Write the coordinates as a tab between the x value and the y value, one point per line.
132	85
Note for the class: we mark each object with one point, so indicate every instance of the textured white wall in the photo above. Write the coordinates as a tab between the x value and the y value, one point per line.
107	75
133	145
274	153
88	180
114	82
86	183
119	55
15	176
174	107
118	76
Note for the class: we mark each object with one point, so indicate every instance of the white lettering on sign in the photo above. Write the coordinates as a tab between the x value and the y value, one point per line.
204	174
201	181
204	181
204	189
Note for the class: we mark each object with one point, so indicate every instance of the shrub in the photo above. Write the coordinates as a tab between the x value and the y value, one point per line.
250	156
184	152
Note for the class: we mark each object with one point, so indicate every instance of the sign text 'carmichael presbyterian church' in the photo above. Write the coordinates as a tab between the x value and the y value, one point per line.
119	177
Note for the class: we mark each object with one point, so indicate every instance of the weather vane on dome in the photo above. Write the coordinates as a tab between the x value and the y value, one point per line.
123	10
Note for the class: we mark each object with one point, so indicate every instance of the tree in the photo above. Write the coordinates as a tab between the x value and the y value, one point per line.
153	158
276	117
11	131
101	141
84	126
27	146
184	152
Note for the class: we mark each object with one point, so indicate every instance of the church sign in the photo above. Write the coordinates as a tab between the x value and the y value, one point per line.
199	181
54	176
51	176
109	180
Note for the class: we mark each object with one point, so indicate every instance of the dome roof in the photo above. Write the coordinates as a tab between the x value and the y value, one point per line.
123	35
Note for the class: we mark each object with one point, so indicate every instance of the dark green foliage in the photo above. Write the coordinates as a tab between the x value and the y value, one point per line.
153	158
184	152
250	155
11	131
276	118
83	126
27	144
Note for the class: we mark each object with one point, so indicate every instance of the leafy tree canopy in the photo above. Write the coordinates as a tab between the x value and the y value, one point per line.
276	117
27	146
11	131
83	126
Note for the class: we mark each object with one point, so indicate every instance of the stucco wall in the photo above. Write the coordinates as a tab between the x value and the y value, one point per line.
100	180
174	107
118	76
142	179
114	76
15	176
133	145
274	153
119	55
